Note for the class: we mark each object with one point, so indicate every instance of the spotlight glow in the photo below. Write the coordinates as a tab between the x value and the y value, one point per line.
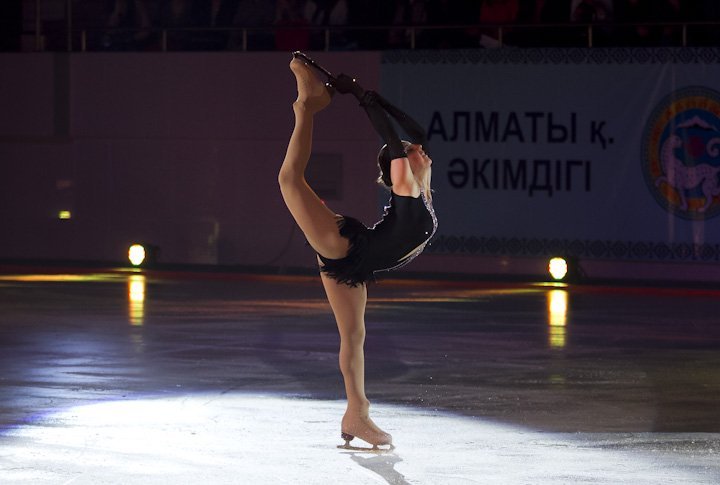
136	254
64	215
207	438
558	268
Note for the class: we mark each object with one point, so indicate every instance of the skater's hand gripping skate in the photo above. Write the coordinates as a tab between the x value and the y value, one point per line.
343	83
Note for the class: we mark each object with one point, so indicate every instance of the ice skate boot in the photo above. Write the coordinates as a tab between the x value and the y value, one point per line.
308	60
366	430
312	93
341	83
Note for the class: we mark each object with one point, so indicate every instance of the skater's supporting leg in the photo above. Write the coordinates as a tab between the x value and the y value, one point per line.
348	305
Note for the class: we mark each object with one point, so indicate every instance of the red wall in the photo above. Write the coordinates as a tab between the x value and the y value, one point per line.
180	150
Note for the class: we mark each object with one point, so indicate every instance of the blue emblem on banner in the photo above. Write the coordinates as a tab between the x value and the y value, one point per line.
681	153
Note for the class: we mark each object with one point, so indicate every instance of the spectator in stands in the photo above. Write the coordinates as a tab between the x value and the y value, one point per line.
329	13
450	13
529	11
292	29
368	15
128	26
556	12
528	16
702	11
255	15
595	13
591	11
670	11
644	13
407	12
500	13
190	24
204	16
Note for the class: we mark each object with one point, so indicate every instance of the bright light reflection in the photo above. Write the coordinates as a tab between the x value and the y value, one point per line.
557	304
551	284
49	278
64	215
136	299
558	268
211	438
136	254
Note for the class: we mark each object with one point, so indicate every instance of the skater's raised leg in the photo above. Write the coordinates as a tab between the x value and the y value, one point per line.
317	222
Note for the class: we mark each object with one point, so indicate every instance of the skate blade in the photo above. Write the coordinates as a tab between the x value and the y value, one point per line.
312	63
366	449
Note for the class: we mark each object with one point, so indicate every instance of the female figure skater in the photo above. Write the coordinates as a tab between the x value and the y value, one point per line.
348	252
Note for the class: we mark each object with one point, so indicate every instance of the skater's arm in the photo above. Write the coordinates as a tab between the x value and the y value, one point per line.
382	124
376	107
345	84
415	132
403	181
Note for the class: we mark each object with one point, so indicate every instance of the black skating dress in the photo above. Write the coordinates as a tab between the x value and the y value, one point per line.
408	222
399	237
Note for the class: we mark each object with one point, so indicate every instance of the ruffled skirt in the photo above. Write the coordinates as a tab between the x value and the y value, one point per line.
353	269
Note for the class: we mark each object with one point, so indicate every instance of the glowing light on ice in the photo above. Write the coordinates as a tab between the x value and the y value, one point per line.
226	438
557	304
136	299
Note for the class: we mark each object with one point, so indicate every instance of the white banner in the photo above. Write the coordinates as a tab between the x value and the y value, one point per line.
591	153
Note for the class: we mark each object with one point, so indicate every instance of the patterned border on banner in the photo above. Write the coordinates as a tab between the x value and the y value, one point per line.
513	55
533	247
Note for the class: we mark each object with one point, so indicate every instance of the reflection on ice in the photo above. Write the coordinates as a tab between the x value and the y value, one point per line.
136	299
241	438
557	304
